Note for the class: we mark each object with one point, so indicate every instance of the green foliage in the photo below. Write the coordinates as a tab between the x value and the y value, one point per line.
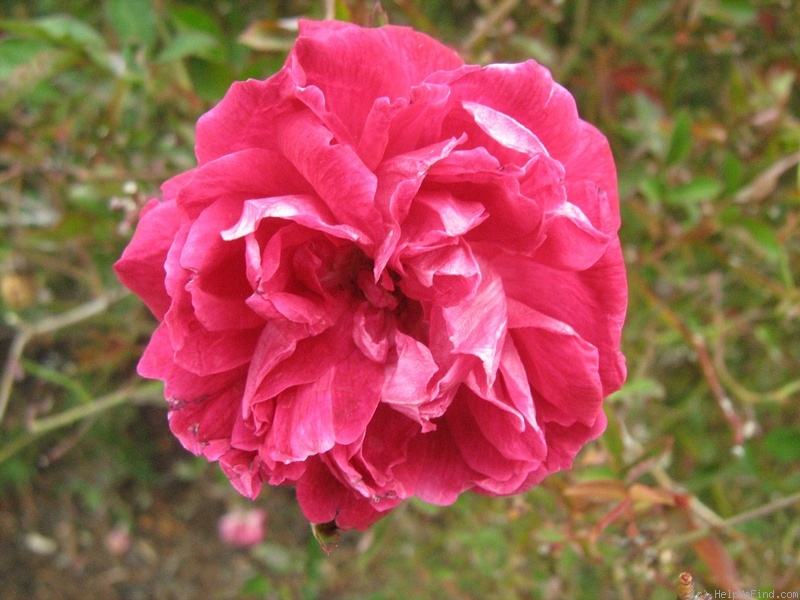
699	100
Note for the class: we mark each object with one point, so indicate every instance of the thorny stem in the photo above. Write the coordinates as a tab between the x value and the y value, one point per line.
27	331
329	10
761	511
82	411
68	417
698	344
485	24
779	395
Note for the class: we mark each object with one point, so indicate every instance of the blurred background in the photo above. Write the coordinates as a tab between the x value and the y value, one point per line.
699	470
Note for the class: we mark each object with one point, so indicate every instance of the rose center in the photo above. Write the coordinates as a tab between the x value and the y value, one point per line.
336	272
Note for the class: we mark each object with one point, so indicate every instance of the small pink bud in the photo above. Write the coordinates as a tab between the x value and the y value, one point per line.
243	528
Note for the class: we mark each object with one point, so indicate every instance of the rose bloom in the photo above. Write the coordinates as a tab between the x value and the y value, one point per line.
243	528
391	274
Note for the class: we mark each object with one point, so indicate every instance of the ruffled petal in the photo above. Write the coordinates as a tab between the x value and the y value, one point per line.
218	280
141	267
243	119
445	276
478	327
435	468
593	302
335	171
527	93
243	175
335	408
304	210
324	498
571	242
408	376
332	59
243	469
562	367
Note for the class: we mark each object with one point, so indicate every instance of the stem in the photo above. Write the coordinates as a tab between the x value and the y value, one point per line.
27	331
485	24
12	362
761	511
68	417
40	426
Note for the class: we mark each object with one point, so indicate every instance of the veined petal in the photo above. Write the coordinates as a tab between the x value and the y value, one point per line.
218	281
303	209
445	276
399	179
563	368
332	59
408	376
334	170
436	219
324	498
435	469
505	130
527	93
303	422
335	408
478	327
243	119
593	302
242	175
370	332
243	469
570	241
141	267
204	425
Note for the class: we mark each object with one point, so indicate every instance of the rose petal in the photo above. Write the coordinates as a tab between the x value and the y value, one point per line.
243	119
324	499
335	408
141	267
304	210
435	469
526	92
408	375
332	59
562	367
593	302
243	175
478	327
335	171
505	130
445	276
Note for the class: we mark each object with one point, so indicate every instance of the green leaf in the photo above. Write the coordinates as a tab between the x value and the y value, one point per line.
62	29
18	51
133	20
732	170
18	82
653	189
681	142
192	18
764	236
696	190
735	12
188	43
783	443
210	80
258	585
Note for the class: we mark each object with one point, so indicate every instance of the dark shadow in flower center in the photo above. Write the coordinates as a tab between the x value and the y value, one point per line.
351	272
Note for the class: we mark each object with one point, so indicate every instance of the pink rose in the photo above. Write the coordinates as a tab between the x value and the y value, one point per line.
391	274
243	528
